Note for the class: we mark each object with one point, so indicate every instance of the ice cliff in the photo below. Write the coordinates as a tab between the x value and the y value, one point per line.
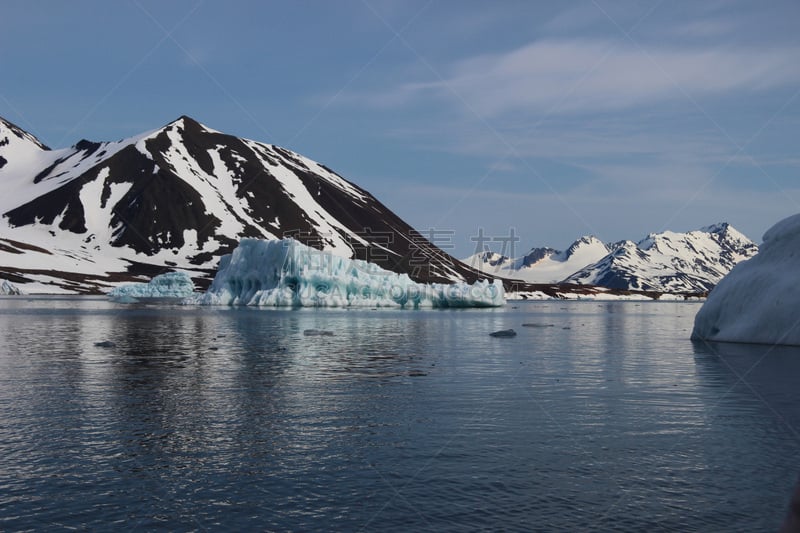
288	273
758	300
169	285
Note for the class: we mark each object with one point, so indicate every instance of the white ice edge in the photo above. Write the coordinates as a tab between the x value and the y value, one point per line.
286	273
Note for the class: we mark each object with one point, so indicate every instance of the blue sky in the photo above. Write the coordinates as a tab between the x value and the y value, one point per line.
557	119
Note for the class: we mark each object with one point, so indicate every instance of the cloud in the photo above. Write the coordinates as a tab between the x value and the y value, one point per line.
567	76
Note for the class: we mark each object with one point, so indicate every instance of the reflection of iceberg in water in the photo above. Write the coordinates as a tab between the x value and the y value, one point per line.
752	412
288	273
762	377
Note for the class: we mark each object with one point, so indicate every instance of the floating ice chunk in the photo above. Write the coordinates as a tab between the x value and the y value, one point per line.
288	273
317	333
169	285
8	288
758	300
105	344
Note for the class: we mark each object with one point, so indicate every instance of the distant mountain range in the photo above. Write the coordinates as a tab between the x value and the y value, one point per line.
83	218
691	262
541	265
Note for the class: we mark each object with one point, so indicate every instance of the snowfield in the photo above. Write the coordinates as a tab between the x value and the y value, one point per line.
541	265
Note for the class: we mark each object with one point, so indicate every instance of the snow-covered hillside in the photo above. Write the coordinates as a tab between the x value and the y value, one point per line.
692	262
668	262
541	265
758	300
85	218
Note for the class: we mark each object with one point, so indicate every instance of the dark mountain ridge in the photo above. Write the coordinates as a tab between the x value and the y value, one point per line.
190	192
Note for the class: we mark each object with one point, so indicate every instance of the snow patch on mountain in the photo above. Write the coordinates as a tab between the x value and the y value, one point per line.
541	265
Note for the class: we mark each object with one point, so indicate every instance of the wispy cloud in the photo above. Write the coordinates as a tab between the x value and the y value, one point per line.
632	137
562	76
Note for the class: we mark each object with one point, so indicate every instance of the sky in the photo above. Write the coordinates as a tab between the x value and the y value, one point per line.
542	120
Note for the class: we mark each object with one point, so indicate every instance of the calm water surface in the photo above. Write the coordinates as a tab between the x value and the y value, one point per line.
604	417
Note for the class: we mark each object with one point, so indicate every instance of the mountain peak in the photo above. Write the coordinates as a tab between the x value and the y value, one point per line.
6	126
719	228
585	242
186	119
668	261
186	122
191	127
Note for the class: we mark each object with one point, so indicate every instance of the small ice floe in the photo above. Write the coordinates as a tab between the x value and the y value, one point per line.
164	286
317	333
504	333
8	288
105	344
535	325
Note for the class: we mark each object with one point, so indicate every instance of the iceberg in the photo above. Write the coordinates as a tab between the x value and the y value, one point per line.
8	288
169	285
758	300
286	272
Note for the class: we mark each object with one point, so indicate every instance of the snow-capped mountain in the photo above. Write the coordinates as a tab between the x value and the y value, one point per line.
84	218
692	262
670	262
541	265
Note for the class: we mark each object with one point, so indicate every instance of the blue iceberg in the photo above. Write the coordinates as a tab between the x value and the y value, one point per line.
285	272
169	285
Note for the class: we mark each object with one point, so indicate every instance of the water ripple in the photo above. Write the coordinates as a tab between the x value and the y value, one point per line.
234	419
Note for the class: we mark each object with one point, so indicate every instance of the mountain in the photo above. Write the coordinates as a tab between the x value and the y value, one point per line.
541	265
692	262
669	262
84	218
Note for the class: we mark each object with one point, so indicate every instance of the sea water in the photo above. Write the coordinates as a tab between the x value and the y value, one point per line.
595	416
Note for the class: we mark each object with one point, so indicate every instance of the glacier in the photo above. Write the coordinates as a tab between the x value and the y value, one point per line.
285	272
169	285
757	301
